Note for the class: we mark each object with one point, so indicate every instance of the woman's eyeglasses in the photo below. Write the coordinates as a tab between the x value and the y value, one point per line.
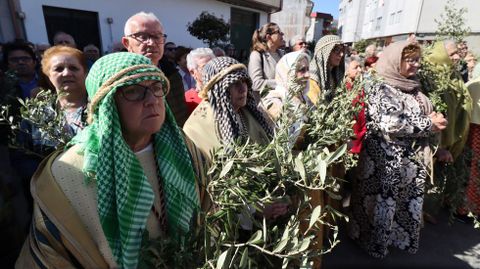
138	92
337	49
412	61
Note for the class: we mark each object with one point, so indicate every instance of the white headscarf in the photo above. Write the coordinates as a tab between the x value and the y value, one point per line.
285	76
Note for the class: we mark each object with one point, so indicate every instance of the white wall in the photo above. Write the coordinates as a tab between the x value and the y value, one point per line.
174	15
398	17
351	19
433	8
294	18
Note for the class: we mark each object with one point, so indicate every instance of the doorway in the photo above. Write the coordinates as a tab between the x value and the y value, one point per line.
242	25
82	25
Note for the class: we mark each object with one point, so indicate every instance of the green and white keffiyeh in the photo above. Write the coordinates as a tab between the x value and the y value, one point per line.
125	196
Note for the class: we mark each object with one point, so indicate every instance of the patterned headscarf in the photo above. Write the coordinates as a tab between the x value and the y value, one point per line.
327	81
388	68
125	196
218	75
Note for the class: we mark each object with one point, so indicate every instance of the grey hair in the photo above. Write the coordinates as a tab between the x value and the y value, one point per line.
449	42
147	16
294	40
349	60
370	50
196	54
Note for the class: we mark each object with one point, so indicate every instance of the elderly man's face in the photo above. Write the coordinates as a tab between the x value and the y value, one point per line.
300	45
146	38
65	40
197	72
452	52
140	117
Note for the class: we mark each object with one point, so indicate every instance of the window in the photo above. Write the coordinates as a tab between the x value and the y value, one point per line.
398	17
391	20
379	23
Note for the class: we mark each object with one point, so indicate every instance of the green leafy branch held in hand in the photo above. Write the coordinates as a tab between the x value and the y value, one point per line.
44	120
248	178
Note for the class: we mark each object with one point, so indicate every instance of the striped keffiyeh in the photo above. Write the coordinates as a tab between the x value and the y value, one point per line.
218	75
320	71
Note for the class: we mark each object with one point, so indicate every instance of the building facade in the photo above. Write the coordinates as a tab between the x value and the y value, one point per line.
101	22
294	18
320	25
391	20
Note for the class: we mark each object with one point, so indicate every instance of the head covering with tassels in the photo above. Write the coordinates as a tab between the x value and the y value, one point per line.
218	75
125	196
320	71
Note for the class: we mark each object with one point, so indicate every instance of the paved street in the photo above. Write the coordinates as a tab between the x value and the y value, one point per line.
441	246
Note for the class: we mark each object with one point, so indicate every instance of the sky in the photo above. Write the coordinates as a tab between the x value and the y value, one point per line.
326	6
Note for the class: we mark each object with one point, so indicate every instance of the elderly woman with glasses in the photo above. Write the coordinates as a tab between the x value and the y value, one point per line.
388	194
127	173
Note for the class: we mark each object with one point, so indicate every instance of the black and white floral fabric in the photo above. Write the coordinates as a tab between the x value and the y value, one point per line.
388	194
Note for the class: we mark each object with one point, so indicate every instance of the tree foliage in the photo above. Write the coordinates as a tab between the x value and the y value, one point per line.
362	44
452	22
209	28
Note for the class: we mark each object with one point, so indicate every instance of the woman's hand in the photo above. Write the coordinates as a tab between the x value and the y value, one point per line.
438	121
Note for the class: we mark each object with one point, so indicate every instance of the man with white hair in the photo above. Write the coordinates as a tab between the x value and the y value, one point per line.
196	60
144	34
298	43
452	51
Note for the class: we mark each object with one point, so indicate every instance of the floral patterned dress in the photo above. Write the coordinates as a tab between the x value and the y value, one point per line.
388	194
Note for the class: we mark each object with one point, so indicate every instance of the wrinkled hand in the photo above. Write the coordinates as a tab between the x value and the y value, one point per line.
438	121
275	210
444	156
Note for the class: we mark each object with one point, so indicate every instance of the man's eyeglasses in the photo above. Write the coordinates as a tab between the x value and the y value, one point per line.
171	49
144	37
138	92
17	60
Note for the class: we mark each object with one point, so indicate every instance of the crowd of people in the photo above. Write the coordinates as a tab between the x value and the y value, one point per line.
146	119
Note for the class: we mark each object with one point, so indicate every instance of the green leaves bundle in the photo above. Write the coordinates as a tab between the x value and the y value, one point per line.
248	178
